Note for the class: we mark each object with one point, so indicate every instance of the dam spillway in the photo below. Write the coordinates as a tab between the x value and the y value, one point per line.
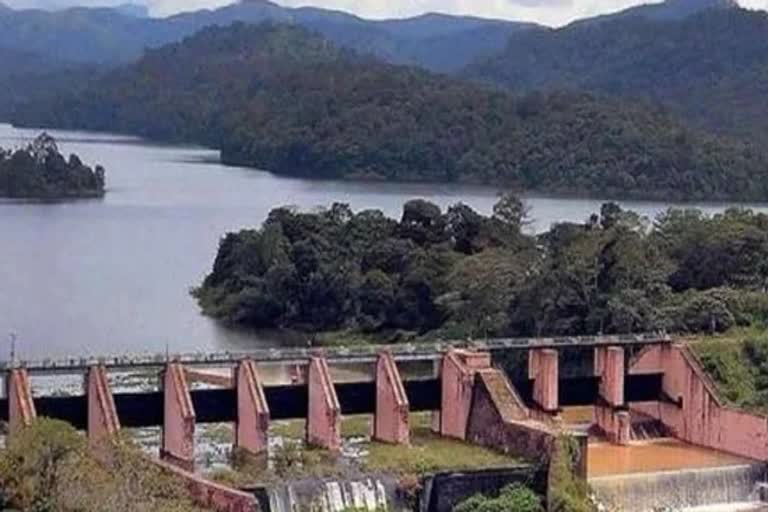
657	455
668	474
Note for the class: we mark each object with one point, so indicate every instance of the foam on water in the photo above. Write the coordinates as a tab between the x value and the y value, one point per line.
681	490
335	495
749	506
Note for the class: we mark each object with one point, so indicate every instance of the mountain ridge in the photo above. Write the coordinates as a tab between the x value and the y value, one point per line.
113	36
279	98
711	68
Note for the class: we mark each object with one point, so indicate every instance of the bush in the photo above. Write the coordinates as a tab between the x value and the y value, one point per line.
49	467
567	492
513	498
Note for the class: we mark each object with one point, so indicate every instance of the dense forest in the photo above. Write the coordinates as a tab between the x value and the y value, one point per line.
710	67
278	98
39	171
457	273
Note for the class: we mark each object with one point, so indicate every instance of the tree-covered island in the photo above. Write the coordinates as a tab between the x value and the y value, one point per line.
40	171
458	273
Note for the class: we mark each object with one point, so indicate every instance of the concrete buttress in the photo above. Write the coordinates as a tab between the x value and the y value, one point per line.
178	443
21	406
252	409
323	409
390	422
103	422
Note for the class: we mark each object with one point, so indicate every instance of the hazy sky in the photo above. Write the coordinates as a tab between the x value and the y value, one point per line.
550	12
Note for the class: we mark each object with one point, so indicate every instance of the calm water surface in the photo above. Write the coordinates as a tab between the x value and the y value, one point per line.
649	457
112	276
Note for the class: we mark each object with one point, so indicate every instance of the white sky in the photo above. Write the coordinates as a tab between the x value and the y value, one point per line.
548	12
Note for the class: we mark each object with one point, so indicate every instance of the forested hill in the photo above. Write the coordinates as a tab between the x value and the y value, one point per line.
119	35
278	98
711	67
668	10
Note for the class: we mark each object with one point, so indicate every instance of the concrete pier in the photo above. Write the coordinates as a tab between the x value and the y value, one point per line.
543	369
178	442
392	409
252	422
323	410
21	407
103	422
609	366
457	378
611	415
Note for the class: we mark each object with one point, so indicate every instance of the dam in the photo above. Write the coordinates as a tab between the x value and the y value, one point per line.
652	431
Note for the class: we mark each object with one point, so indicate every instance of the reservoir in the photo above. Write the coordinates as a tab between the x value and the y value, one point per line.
112	276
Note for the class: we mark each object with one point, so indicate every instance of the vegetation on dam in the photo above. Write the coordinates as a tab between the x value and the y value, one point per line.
48	467
512	497
457	273
39	171
738	363
426	453
280	98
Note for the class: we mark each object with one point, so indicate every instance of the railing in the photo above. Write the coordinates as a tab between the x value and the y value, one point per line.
427	351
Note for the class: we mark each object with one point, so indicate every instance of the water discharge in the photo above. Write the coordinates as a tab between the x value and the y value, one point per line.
369	494
668	474
651	456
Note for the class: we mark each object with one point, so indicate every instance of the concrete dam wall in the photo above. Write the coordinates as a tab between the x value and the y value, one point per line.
674	490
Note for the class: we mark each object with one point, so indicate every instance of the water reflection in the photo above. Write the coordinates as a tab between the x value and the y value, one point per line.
113	275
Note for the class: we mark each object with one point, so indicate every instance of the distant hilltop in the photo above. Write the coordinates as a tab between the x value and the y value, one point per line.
135	10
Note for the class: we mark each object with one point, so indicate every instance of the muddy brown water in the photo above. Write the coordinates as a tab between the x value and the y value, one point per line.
605	459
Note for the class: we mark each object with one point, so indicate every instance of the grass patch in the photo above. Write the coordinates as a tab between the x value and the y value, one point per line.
429	453
289	429
738	363
219	433
351	426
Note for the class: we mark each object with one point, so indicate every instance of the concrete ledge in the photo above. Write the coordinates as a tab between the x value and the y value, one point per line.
252	422
209	494
390	423
178	443
21	406
323	410
210	378
103	422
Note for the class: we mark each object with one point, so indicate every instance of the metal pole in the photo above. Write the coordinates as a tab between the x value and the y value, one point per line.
12	337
